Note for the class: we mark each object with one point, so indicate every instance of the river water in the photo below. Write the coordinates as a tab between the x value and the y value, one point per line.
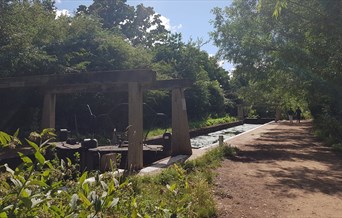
212	138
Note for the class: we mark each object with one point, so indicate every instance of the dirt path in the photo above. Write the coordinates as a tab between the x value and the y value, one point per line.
281	171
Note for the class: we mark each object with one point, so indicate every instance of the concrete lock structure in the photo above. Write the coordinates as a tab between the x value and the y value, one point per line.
135	82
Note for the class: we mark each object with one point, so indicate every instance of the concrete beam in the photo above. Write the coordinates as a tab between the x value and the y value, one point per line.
120	76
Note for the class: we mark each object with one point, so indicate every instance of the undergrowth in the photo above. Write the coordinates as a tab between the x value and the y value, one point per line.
52	188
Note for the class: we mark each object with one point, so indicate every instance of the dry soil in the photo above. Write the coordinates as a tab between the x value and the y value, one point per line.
281	170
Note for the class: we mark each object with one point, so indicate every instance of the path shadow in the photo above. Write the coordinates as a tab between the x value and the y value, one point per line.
303	178
297	146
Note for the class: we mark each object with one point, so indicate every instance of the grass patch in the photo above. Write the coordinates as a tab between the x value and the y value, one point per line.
211	122
194	125
185	189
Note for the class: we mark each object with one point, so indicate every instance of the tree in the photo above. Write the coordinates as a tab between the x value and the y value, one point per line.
175	59
25	29
286	48
141	25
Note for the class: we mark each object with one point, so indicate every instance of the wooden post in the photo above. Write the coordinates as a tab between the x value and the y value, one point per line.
49	111
180	143
135	122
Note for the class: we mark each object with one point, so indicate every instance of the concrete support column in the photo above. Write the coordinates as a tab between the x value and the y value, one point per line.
278	114
180	143
135	122
49	111
240	113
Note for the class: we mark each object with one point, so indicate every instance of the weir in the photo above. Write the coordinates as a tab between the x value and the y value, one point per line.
135	82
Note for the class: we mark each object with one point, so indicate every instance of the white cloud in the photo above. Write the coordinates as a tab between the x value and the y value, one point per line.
220	63
166	22
63	12
58	1
226	65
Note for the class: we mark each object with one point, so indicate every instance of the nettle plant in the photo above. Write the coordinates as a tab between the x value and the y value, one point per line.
8	141
32	189
49	188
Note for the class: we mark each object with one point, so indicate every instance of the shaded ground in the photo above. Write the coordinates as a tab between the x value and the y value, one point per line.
280	171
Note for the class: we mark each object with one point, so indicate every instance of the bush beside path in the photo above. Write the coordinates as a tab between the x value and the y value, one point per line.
281	170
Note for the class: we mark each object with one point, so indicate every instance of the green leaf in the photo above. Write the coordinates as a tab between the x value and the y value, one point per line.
39	157
46	173
82	178
172	187
33	145
27	202
3	215
37	182
16	133
55	209
25	158
69	161
85	188
56	184
48	163
111	188
5	185
4	138
84	199
25	193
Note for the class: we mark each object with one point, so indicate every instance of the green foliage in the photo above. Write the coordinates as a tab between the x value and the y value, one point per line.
25	29
140	25
211	122
194	125
174	59
287	54
36	188
9	141
107	35
337	147
211	159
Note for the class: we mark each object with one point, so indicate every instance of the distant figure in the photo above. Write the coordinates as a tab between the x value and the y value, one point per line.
290	113
298	114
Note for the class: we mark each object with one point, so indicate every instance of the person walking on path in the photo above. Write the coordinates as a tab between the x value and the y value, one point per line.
290	113
298	114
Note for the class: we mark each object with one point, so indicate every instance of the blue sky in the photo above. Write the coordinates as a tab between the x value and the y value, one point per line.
189	17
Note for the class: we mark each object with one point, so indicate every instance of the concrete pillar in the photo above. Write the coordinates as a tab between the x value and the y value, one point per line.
135	122
221	140
240	111
180	143
49	111
278	114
